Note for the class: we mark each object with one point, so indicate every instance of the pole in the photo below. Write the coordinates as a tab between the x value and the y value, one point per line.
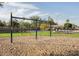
36	29
50	30
11	30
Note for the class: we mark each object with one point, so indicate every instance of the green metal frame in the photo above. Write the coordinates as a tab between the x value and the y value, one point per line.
25	19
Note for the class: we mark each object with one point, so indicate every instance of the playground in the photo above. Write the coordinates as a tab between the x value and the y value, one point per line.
34	42
43	46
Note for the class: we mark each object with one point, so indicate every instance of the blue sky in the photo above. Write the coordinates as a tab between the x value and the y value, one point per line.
59	11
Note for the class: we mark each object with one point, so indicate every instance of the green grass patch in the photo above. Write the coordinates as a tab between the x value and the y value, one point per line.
40	33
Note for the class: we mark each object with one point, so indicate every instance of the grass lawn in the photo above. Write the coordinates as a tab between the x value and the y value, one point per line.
40	33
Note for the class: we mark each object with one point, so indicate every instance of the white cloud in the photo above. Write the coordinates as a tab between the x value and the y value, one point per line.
4	17
57	14
21	10
42	15
21	5
34	13
37	13
18	9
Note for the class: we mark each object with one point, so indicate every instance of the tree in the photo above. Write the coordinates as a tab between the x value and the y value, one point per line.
1	5
33	24
35	17
74	26
67	25
51	21
5	23
24	25
2	24
15	23
43	26
67	21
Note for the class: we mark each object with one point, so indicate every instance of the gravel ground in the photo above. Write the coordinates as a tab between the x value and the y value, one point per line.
43	46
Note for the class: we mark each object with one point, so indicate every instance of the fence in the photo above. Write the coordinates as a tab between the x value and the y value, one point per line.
49	32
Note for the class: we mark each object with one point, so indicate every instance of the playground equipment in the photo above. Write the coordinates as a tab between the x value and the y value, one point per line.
11	28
